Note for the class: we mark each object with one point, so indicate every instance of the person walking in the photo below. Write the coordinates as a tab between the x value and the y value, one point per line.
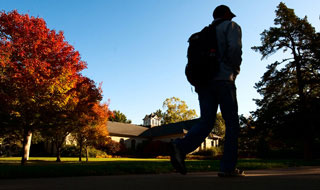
220	90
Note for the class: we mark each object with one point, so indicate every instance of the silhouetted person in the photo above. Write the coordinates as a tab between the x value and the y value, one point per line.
221	90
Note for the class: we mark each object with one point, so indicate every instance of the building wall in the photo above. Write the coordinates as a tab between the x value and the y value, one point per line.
209	143
133	142
168	138
129	142
151	121
155	122
70	140
146	122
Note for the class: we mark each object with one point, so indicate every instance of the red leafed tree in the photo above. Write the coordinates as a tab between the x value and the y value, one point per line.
76	112
39	72
94	132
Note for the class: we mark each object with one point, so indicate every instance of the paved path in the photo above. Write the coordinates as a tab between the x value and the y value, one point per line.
301	178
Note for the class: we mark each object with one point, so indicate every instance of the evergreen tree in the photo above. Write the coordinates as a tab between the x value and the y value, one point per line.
290	87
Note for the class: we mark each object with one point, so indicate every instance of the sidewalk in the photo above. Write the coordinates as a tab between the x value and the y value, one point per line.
305	178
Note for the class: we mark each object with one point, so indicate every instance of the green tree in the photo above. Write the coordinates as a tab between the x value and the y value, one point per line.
117	116
177	110
249	137
159	113
219	126
290	87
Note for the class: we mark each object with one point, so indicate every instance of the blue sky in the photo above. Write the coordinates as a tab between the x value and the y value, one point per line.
137	48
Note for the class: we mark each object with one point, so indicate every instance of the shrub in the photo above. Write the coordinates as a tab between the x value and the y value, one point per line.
94	153
71	151
109	146
156	148
210	152
10	147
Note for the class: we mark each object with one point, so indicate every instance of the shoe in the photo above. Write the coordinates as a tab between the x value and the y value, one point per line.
177	159
235	173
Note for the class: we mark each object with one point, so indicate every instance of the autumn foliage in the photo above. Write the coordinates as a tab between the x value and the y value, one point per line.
41	87
93	132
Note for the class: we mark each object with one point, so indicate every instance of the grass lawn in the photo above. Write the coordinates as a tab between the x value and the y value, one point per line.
47	167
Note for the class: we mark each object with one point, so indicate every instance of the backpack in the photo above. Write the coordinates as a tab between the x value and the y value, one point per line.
202	56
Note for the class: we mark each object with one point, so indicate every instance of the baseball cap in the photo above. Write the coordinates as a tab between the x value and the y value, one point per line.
220	10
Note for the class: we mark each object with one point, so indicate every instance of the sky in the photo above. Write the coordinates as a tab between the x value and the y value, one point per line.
137	48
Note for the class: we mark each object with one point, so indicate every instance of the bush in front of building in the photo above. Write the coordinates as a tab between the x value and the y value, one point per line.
73	151
10	147
156	148
209	152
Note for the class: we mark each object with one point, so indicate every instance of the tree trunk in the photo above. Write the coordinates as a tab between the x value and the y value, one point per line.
87	154
307	136
58	154
58	147
80	151
59	143
26	146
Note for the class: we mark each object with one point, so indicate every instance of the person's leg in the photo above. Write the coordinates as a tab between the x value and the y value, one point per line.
229	109
208	109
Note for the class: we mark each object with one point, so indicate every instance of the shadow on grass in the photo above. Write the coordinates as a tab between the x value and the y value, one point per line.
43	168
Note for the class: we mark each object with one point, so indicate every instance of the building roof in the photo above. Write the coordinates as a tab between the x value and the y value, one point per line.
124	129
130	130
151	116
170	129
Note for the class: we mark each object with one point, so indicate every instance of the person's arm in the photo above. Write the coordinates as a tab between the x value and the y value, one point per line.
234	46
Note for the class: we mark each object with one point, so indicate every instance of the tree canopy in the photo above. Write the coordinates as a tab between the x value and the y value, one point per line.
290	87
177	110
41	87
118	116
